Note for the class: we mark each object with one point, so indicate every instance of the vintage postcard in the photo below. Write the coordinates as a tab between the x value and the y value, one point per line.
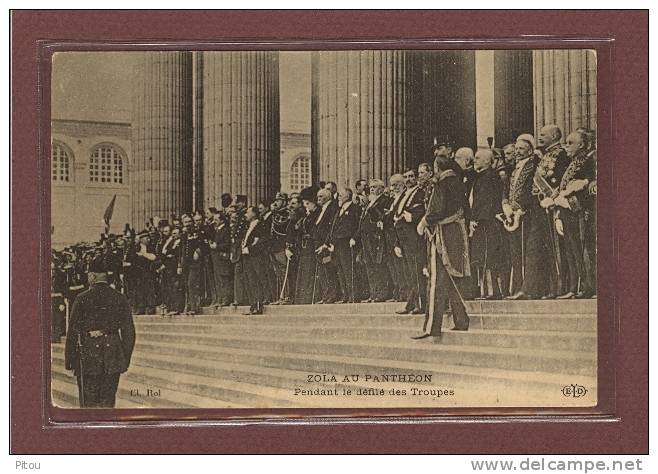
328	229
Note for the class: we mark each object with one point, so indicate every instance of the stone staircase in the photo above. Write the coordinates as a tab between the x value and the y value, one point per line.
516	354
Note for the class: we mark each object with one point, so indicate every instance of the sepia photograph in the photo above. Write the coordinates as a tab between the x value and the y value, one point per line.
397	229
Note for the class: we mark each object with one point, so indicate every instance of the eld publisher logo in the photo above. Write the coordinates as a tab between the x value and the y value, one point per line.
575	391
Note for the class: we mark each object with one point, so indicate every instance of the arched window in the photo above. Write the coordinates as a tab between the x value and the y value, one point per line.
300	173
106	165
61	163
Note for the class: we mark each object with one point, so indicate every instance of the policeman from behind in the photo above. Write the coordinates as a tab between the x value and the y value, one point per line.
100	340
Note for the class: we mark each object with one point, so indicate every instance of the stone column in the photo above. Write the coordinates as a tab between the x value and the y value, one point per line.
513	95
240	125
375	113
358	115
198	131
565	88
161	178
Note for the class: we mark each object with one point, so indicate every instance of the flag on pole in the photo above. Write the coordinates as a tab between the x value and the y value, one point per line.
107	217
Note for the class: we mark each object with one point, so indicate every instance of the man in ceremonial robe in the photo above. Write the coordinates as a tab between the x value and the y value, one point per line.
393	253
545	249
516	205
445	227
573	200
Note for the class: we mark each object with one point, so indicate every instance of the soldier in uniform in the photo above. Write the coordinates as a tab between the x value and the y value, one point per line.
58	298
278	235
190	265
444	225
100	340
296	214
220	254
237	229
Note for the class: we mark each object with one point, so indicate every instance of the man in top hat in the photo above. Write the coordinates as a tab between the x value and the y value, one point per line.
100	339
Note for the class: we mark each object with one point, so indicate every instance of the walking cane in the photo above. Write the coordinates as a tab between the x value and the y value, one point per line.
82	377
352	298
522	254
420	300
315	279
285	280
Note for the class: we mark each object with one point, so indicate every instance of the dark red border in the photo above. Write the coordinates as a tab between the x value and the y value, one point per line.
623	74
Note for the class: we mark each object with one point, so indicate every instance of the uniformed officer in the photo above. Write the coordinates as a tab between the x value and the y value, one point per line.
100	339
444	226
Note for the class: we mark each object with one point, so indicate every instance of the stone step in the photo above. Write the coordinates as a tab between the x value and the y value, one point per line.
125	398
530	321
555	340
216	380
585	306
180	388
427	350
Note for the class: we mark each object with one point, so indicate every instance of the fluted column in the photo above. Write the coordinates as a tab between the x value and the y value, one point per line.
565	88
198	131
513	95
240	125
161	179
358	114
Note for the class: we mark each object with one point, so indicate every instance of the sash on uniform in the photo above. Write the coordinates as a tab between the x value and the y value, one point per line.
439	241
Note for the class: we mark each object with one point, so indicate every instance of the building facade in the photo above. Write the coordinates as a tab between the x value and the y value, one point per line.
90	163
207	123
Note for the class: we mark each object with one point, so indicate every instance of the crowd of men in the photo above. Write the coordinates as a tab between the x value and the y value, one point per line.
516	223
